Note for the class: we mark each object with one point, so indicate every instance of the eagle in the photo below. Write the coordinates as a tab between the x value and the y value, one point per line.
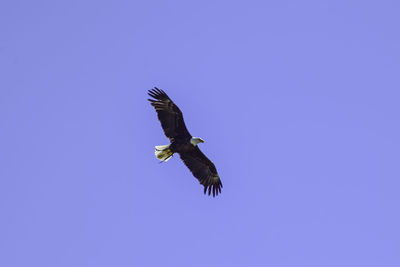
183	143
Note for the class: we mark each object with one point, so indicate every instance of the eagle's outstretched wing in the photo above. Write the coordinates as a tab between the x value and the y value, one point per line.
169	115
203	169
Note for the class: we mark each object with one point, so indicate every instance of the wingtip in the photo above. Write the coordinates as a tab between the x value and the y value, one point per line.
157	93
214	189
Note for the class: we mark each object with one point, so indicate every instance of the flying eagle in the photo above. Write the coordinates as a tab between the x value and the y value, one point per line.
183	143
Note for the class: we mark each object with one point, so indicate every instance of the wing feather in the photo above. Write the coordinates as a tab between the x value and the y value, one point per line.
203	169
169	114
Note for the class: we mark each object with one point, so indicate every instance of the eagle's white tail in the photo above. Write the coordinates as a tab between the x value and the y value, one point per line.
163	153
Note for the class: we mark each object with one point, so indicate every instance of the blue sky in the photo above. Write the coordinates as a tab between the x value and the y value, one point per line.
297	101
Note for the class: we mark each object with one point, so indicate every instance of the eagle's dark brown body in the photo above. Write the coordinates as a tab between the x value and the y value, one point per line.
181	146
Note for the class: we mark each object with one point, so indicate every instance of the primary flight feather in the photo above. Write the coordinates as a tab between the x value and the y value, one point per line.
183	143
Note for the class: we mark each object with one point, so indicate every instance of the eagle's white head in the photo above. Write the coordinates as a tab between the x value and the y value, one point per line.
195	140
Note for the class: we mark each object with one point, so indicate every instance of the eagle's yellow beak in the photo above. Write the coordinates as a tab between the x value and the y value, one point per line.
201	140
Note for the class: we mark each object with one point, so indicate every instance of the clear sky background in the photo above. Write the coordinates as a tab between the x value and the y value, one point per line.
297	101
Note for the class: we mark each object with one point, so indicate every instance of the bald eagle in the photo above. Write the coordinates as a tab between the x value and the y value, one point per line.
183	143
